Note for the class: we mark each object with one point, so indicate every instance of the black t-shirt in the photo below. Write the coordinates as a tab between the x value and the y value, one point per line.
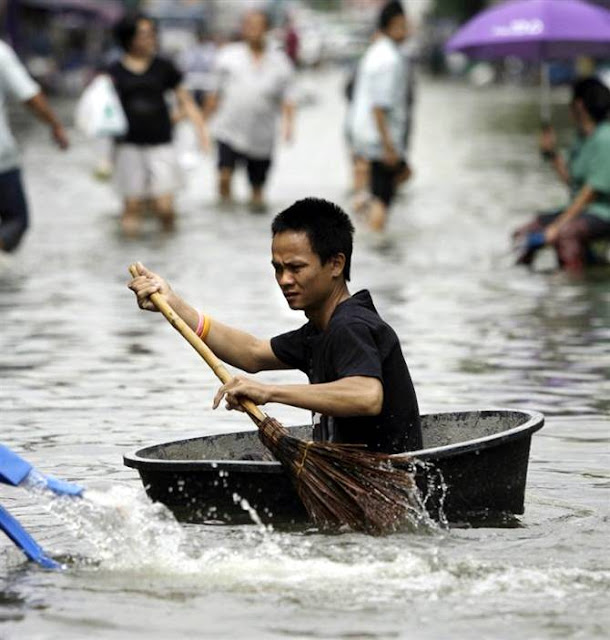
143	98
357	342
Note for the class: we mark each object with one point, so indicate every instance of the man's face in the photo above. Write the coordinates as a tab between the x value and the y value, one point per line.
254	27
398	29
305	282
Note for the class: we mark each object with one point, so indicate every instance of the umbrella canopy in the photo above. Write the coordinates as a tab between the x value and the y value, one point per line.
538	30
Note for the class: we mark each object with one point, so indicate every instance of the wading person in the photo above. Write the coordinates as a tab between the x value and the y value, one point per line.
146	168
16	83
586	172
360	388
252	91
378	121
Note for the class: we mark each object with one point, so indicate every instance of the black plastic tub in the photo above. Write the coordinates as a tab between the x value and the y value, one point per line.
474	470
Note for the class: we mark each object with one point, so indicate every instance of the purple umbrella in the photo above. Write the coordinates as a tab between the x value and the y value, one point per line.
539	30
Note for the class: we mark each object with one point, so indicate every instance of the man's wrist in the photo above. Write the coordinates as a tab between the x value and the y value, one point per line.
549	154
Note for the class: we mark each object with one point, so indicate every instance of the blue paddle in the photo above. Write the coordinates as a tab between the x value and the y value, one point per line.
24	540
16	471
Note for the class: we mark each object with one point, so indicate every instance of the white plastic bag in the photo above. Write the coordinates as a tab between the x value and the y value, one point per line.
99	112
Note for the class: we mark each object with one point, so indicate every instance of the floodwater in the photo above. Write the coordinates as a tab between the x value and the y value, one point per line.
86	377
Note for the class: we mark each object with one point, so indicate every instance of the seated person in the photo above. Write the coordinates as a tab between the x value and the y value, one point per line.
586	171
361	391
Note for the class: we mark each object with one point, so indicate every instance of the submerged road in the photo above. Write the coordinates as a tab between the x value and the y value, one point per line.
85	377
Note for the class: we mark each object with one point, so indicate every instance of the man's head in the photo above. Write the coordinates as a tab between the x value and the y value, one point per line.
393	21
137	34
593	97
311	251
254	27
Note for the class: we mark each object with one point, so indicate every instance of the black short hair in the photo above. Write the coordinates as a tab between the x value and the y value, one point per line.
328	227
125	29
595	97
390	11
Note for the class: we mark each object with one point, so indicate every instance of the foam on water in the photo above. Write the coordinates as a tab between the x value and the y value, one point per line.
127	536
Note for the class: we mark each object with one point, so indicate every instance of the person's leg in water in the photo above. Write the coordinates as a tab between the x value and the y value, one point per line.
383	188
131	177
164	208
13	210
257	176
131	218
574	238
227	160
360	183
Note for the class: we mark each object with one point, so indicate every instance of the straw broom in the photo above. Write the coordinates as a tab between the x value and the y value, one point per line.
340	485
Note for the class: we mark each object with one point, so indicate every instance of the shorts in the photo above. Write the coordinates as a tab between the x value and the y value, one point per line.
383	180
146	171
257	168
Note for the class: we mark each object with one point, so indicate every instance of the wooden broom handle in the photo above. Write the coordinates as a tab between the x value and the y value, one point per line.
200	347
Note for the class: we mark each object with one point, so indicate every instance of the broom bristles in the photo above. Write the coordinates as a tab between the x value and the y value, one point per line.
346	485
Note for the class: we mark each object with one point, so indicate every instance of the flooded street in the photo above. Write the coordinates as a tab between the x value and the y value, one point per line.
86	376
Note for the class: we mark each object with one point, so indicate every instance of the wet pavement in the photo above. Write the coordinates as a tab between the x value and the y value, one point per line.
86	377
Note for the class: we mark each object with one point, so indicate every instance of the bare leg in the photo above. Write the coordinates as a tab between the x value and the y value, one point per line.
571	245
131	218
378	215
257	200
164	208
225	177
360	168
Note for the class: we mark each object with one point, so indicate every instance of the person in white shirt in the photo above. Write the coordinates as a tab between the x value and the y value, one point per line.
16	83
253	87
378	120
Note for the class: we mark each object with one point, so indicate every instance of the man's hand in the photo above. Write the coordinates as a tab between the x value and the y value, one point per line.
60	137
390	157
240	387
547	141
551	233
147	283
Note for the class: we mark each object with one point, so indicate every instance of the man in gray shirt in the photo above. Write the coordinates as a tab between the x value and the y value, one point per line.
17	84
252	90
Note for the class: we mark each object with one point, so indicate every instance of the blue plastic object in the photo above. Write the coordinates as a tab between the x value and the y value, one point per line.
16	471
534	240
13	469
24	540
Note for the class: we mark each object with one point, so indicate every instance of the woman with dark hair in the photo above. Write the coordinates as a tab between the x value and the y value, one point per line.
146	168
586	171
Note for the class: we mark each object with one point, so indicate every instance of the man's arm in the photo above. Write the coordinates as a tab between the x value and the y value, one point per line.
390	156
210	105
188	106
288	110
548	147
347	397
42	110
582	200
235	347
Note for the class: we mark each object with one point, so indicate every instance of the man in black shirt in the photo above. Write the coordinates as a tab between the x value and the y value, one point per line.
360	389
